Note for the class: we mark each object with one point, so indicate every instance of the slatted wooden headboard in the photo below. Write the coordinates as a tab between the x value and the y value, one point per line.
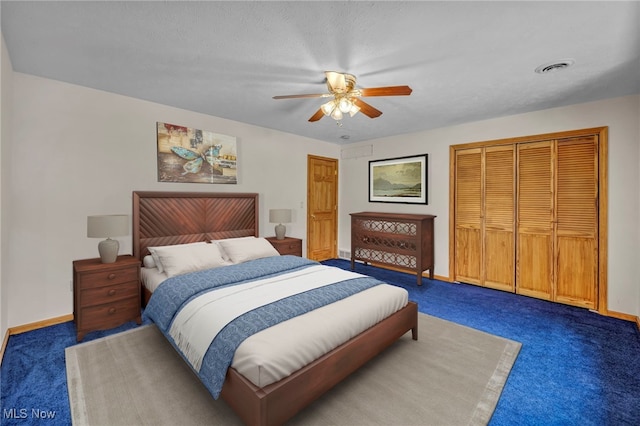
166	218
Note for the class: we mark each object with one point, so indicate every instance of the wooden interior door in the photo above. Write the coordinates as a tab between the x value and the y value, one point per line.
535	220
577	222
322	208
484	220
468	215
499	217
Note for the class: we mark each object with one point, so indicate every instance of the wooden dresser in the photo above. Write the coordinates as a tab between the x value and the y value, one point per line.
288	245
105	295
404	241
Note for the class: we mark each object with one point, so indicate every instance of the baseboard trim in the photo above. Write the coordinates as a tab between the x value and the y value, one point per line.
40	324
623	316
5	342
626	317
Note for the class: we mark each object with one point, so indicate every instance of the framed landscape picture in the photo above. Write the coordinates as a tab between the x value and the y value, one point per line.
399	180
195	156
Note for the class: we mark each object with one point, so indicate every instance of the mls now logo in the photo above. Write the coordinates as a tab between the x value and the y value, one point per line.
23	413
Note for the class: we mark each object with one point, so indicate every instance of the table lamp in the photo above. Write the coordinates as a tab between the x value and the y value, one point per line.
114	225
280	216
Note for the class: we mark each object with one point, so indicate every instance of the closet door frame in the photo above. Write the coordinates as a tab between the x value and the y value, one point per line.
603	198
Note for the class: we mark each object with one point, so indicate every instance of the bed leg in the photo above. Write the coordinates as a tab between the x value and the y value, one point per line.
414	329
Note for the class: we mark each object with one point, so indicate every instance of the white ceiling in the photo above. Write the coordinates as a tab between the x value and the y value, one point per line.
465	61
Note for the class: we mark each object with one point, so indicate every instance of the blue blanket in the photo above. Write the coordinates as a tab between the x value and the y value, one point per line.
175	292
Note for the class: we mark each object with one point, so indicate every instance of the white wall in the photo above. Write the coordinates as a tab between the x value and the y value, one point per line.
622	115
5	127
77	152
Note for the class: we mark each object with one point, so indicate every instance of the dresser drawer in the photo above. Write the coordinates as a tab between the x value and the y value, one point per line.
107	294
107	277
109	315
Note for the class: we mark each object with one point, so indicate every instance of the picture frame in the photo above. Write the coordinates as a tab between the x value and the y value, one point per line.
399	180
189	155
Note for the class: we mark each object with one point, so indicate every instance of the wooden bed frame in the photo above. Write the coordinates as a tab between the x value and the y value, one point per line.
165	218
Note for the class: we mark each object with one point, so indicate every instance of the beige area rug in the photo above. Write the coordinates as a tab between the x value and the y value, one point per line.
453	375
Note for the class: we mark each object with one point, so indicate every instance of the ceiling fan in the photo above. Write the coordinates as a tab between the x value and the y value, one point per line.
346	98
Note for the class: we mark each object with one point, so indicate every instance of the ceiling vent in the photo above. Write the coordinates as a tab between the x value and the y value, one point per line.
555	66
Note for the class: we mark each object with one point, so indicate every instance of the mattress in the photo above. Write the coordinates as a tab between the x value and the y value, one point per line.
151	278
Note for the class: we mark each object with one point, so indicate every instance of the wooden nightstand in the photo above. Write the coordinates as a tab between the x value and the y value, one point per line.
105	295
287	245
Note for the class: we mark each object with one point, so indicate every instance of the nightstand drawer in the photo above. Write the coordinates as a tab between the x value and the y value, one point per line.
107	277
106	316
106	294
287	245
291	247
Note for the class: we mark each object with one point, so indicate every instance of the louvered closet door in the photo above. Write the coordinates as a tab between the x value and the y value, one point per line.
577	221
499	200
468	211
534	245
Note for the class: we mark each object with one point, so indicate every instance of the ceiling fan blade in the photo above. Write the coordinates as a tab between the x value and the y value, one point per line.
386	91
336	82
317	116
314	95
367	109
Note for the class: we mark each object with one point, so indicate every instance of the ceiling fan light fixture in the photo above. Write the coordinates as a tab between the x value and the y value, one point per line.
328	107
345	98
345	105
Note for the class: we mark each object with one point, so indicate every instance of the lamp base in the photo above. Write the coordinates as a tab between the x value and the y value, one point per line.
108	250
280	230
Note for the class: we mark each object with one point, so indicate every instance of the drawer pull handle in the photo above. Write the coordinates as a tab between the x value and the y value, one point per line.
111	292
112	311
111	276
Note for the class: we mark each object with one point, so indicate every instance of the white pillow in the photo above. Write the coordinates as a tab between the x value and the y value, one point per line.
148	262
225	256
185	258
244	249
152	250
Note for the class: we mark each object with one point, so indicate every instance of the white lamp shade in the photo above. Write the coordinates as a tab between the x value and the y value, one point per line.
113	225
280	216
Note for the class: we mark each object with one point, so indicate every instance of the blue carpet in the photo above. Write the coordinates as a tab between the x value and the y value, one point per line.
575	367
33	376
